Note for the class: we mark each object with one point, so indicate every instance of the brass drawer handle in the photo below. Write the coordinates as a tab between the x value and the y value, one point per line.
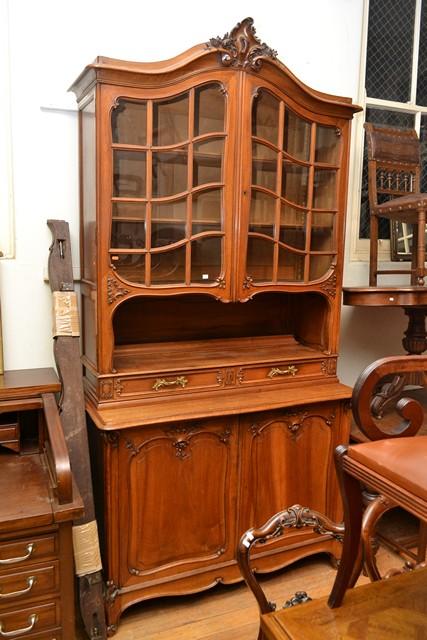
180	381
30	548
275	371
14	634
31	581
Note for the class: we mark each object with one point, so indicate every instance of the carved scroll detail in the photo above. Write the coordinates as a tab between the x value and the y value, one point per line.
114	290
241	48
330	286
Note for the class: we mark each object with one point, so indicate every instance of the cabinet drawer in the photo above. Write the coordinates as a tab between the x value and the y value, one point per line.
170	384
27	551
36	617
282	372
34	581
9	432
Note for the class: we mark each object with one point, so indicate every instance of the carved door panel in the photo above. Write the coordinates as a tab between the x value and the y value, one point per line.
288	459
178	484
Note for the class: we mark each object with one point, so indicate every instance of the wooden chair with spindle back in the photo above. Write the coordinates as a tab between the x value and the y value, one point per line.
394	168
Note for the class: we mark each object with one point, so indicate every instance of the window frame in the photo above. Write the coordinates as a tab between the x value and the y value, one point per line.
359	247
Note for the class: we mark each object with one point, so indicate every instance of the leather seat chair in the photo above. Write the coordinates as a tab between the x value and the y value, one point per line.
394	467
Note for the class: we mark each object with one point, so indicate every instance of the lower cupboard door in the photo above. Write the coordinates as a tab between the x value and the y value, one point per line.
177	509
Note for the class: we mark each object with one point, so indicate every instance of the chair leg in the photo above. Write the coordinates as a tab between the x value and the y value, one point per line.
373	251
420	248
353	512
422	542
374	511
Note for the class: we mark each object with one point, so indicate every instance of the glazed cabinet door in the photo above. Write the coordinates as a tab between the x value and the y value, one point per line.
177	487
293	209
287	459
169	153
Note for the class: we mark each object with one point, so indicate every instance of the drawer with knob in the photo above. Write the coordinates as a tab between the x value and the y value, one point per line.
284	372
15	553
32	582
19	623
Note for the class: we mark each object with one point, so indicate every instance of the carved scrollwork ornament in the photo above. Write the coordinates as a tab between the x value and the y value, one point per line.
111	592
114	290
241	48
330	286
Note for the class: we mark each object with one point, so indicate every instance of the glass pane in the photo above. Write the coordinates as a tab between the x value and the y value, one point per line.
209	109
262	213
130	267
322	231
295	183
129	210
207	210
206	259
207	164
265	117
319	266
168	222
168	267
291	266
297	136
292	226
259	261
327	145
389	52
422	59
129	122
129	174
325	189
163	234
128	235
169	172
392	119
264	166
170	121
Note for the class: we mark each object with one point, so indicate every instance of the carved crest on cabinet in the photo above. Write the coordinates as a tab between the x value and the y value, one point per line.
114	290
294	421
241	47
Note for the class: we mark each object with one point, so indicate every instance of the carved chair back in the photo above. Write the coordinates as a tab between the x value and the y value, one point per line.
394	163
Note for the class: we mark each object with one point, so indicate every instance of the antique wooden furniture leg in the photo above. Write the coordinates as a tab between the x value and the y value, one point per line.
67	358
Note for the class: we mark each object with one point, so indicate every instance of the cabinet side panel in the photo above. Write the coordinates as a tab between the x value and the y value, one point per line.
88	189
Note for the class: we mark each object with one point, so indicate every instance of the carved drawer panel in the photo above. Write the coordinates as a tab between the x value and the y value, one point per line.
287	371
19	623
172	383
27	550
32	582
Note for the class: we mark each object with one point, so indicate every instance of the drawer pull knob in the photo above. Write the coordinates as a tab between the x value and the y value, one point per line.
30	548
180	381
289	371
14	634
31	581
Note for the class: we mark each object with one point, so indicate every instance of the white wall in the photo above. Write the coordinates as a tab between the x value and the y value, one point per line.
51	42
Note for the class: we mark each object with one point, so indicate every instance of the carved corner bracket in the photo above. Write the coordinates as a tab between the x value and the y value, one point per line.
241	48
114	290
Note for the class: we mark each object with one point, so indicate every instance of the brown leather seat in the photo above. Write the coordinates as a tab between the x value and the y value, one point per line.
401	461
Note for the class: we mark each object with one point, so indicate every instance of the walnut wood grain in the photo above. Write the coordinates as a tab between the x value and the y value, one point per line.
386	610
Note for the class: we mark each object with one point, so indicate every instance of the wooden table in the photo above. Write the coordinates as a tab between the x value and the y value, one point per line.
391	609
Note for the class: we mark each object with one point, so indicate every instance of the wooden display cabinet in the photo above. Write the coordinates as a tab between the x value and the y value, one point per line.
214	177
